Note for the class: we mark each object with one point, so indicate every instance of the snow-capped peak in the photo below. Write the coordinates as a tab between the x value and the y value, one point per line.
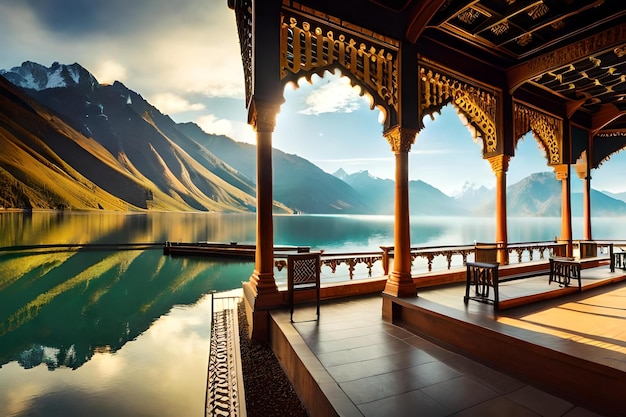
38	77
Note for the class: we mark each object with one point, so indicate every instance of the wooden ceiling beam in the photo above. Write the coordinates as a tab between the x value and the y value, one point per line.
572	106
608	113
420	13
519	74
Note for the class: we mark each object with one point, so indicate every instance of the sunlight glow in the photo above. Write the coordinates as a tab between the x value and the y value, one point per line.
169	103
596	321
211	124
107	72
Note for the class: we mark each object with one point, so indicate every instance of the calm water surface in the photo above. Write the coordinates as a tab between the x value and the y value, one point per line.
105	333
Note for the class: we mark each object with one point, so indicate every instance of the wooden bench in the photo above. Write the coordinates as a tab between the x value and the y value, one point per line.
564	270
482	276
619	260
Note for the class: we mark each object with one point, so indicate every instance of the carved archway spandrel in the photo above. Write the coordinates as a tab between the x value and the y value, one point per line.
401	139
477	105
547	130
309	46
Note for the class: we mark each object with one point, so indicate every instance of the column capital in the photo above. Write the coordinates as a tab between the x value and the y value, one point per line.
561	171
581	167
400	138
499	163
262	115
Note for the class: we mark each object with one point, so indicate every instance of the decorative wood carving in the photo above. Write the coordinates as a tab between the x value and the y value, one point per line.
310	46
401	139
243	17
477	104
547	130
500	28
468	16
618	144
569	54
538	11
499	163
560	172
263	115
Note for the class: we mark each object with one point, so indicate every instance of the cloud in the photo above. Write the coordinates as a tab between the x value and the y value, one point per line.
238	131
169	103
336	96
108	72
155	46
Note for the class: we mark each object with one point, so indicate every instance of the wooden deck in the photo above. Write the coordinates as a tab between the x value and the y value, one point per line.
562	353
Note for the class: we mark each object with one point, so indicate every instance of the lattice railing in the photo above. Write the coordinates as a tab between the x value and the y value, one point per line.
225	392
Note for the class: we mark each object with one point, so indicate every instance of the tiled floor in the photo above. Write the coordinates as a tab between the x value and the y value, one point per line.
385	370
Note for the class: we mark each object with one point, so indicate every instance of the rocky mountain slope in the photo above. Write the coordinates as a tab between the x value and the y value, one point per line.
68	142
161	167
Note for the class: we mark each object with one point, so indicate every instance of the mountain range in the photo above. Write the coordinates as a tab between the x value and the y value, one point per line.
69	142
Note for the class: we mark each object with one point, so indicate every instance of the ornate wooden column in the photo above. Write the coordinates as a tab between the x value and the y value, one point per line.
399	282
587	208
259	37
500	165
261	292
562	174
264	119
582	170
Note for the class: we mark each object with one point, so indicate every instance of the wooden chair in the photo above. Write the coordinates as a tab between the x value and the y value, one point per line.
486	252
303	274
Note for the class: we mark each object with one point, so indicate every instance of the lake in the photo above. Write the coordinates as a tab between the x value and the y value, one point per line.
126	333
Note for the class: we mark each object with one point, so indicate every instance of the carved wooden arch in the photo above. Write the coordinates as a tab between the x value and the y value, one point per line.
546	129
475	103
618	139
311	45
243	18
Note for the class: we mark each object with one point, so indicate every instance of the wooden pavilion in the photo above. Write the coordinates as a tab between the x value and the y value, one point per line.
556	68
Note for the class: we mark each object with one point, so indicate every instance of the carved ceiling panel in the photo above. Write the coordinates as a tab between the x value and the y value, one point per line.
519	28
568	54
593	80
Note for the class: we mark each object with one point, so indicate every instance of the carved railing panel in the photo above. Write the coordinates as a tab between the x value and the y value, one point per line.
423	259
225	391
543	249
430	254
331	262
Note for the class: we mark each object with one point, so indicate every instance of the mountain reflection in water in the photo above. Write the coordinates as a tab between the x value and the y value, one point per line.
126	333
75	311
59	308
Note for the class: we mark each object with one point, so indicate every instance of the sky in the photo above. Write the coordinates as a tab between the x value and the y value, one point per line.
183	57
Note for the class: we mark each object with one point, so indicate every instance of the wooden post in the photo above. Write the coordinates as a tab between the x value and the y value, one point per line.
399	282
263	276
261	292
499	165
562	174
582	170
